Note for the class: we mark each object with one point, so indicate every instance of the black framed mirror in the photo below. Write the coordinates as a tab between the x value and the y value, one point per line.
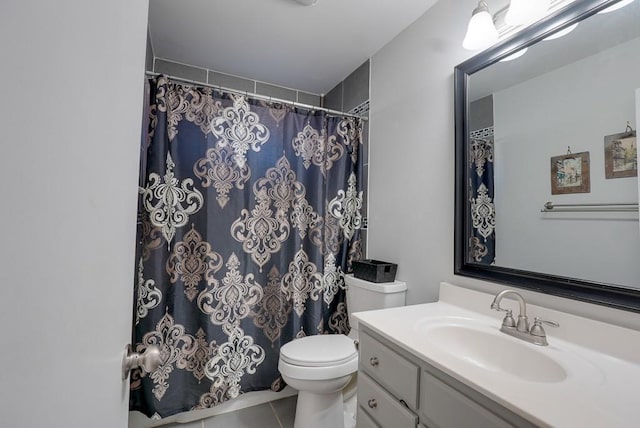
539	101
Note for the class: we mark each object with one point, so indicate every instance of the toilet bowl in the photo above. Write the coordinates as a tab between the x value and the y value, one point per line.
320	367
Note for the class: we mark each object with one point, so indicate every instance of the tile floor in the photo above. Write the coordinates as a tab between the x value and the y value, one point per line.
275	414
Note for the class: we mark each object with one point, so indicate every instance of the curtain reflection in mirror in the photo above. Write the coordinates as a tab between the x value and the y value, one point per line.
482	220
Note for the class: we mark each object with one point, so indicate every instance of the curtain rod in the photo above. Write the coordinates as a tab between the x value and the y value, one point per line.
257	96
551	207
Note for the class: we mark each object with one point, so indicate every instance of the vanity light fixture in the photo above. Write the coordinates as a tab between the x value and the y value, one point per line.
484	29
511	18
616	6
523	12
481	31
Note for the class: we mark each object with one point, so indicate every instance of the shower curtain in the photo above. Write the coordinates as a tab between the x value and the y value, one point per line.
482	220
249	216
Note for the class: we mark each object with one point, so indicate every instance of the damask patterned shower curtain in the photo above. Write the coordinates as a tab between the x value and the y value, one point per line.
249	216
482	221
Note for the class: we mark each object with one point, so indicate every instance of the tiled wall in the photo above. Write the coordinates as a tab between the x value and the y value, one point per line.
149	54
481	113
213	77
352	92
352	96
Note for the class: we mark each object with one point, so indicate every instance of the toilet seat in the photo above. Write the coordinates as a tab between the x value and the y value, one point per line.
319	351
319	357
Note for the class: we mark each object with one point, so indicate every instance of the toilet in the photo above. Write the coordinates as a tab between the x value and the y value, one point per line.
321	366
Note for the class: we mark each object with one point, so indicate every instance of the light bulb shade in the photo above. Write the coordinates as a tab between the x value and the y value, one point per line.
523	12
616	6
481	32
562	32
513	56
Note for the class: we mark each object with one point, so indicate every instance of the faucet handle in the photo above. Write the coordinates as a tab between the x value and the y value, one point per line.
508	320
538	320
536	328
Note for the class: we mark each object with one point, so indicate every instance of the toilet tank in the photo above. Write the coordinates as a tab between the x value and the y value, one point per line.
366	296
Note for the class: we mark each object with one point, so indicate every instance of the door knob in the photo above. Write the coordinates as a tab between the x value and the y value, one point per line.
148	361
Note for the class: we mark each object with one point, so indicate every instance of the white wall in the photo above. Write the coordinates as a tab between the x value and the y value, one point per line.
70	112
411	184
550	116
411	148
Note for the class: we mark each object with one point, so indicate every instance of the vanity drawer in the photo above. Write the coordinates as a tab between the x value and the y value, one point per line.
395	373
363	420
382	407
441	406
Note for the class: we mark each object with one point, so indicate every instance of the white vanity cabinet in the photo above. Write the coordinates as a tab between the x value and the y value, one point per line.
398	390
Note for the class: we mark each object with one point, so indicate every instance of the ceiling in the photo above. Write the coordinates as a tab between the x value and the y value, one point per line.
309	48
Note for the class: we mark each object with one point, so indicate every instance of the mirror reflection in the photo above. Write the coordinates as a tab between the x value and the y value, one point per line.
557	125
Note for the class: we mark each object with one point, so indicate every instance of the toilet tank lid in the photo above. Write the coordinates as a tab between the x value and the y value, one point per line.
380	287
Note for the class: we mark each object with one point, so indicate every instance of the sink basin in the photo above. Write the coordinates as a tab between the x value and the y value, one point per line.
496	352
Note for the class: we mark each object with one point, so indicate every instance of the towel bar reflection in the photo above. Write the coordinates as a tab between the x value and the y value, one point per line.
599	207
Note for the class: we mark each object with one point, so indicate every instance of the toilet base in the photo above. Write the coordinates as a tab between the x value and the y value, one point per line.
319	410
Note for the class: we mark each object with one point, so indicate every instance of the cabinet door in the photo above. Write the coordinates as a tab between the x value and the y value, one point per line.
442	406
397	374
363	420
383	408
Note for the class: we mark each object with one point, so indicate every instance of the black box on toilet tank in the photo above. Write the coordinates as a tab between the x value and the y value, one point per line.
375	270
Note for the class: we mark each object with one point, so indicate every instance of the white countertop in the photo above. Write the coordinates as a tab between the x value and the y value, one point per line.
601	389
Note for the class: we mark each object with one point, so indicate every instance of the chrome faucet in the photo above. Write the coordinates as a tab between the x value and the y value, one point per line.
521	330
523	321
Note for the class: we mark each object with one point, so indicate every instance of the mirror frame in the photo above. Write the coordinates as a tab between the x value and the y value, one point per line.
572	288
